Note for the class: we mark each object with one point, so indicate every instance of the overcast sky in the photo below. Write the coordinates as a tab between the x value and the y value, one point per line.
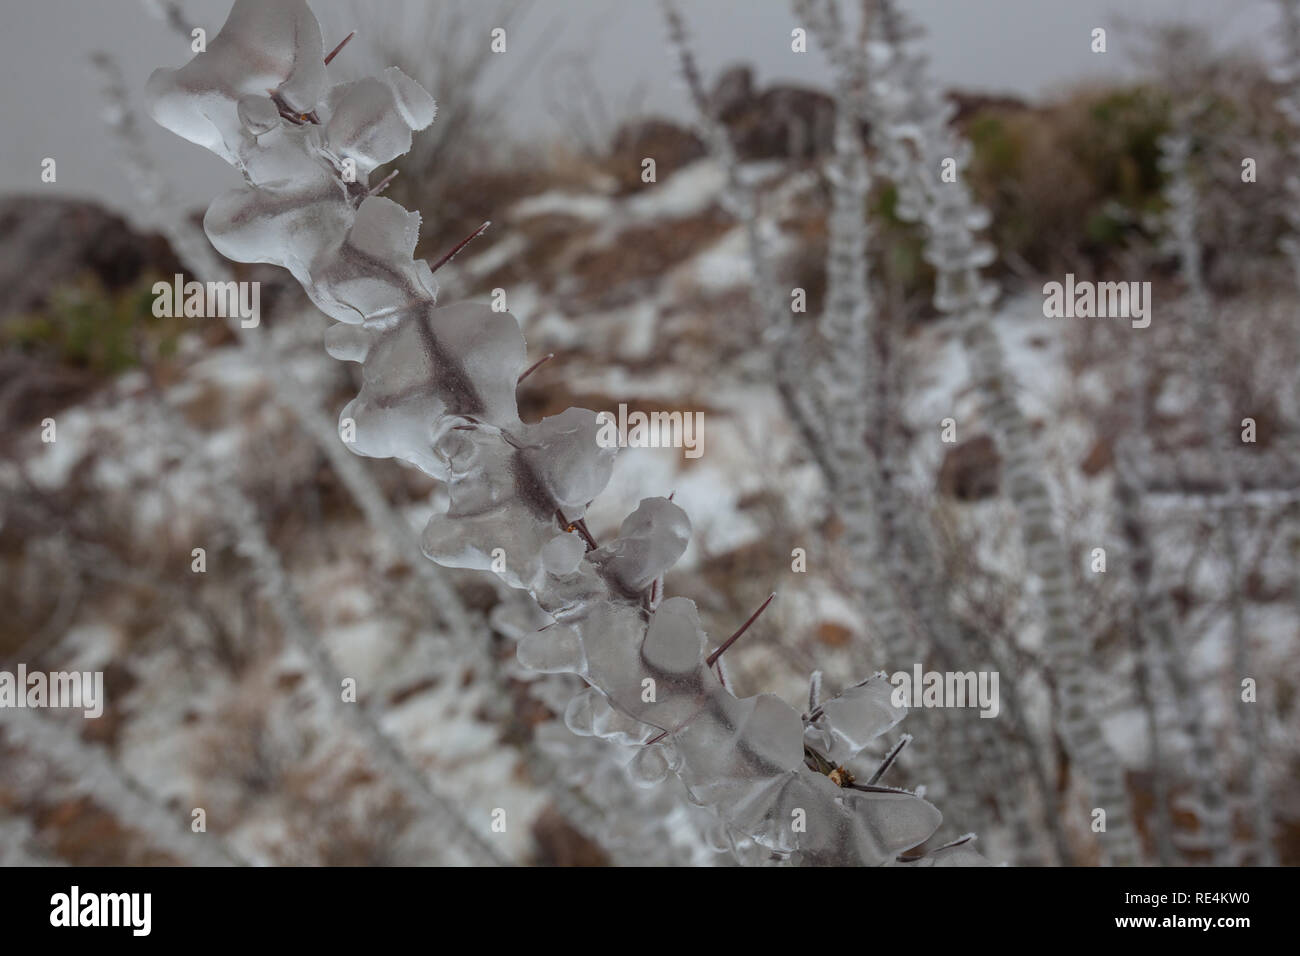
49	98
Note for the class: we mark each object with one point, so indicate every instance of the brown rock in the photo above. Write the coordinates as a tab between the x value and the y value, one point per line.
779	122
48	243
971	470
669	145
1098	459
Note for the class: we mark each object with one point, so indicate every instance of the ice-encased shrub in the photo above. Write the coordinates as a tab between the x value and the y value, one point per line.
438	391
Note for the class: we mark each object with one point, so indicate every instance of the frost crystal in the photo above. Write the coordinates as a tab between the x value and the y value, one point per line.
438	390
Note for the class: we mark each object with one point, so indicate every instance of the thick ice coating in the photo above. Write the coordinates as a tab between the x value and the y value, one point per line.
263	49
438	390
649	542
844	725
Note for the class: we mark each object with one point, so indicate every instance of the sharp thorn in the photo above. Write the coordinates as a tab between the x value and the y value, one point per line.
579	526
383	183
534	367
889	758
459	246
713	658
335	52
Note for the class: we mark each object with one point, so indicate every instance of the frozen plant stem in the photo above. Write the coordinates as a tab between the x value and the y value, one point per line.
110	787
427	371
742	201
851	375
1155	633
273	580
196	253
1181	193
913	117
832	421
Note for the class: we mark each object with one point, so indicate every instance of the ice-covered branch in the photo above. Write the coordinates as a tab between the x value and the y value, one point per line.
439	392
1182	238
1287	75
99	775
913	134
1158	653
252	543
194	250
788	349
857	384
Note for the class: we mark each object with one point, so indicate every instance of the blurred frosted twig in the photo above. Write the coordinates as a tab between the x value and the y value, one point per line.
1181	194
1287	75
850	379
241	516
101	778
913	116
194	249
1156	647
741	199
835	437
170	13
1152	628
860	349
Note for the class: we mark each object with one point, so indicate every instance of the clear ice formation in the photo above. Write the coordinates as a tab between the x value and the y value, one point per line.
438	391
